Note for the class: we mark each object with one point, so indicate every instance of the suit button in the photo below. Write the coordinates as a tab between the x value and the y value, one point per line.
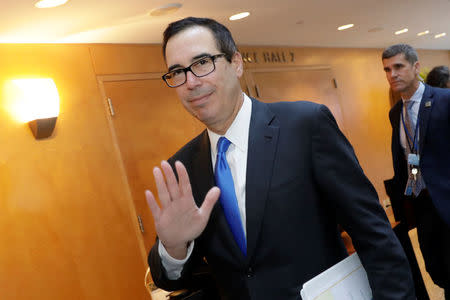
249	272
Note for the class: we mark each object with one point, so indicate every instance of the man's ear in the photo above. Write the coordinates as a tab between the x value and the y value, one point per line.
417	68
237	63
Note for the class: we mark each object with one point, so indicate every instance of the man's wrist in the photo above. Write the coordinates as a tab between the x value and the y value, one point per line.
172	266
178	252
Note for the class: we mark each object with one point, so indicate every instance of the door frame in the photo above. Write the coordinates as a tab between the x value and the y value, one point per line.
250	82
101	79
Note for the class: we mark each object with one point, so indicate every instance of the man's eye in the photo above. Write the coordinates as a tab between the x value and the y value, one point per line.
177	72
202	61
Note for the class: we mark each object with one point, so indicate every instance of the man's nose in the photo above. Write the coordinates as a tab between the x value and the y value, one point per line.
394	73
192	80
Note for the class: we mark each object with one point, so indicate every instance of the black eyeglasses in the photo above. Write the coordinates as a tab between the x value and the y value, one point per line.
200	68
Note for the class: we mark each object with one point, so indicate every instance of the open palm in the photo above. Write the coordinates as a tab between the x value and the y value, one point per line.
179	220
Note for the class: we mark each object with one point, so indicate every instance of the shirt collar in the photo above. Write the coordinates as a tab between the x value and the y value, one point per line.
238	132
417	97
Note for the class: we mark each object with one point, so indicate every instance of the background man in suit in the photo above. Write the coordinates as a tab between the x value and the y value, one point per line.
421	157
295	177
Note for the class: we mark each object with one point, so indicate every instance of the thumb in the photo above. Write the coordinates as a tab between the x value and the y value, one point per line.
210	200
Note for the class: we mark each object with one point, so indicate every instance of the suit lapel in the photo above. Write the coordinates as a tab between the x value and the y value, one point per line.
397	110
262	144
203	177
396	146
424	115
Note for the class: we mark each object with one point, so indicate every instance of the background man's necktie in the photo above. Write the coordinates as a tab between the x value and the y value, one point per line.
409	122
228	200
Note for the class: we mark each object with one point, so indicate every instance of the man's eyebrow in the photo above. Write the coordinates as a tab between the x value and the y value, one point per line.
201	55
176	66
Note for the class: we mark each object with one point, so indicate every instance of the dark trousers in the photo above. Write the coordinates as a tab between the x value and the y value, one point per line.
434	240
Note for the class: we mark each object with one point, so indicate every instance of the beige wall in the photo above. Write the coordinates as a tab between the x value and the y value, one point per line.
67	226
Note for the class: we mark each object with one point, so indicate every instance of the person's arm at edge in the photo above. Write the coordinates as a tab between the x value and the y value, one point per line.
358	210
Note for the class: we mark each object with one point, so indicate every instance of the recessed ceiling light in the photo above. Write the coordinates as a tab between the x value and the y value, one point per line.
165	9
50	3
401	31
343	27
239	16
423	33
440	35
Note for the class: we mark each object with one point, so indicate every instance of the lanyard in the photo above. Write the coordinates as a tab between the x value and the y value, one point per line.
408	135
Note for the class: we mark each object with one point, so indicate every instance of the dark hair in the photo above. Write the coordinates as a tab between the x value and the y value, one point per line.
438	76
409	52
222	35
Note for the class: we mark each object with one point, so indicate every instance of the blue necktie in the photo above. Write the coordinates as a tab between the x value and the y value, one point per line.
228	200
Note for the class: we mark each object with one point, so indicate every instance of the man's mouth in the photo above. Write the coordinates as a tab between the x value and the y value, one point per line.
197	99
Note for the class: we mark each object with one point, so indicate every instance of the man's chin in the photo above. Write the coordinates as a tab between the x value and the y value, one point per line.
396	88
201	115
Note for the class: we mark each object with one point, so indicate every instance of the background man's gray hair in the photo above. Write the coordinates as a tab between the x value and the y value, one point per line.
409	52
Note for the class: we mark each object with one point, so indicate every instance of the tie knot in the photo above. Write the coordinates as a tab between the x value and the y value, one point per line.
409	104
223	144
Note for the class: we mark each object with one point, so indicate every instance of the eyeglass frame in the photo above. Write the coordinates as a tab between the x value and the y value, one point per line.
188	68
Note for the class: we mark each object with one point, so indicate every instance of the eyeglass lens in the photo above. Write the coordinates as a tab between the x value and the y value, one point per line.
199	68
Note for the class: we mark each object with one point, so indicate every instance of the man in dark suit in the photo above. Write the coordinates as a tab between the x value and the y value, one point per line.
295	177
421	158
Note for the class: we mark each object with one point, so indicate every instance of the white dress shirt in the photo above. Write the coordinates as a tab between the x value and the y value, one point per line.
416	99
236	155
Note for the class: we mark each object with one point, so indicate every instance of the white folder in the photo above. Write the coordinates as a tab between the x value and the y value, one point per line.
345	280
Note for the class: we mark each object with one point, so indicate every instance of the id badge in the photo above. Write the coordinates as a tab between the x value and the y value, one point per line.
413	159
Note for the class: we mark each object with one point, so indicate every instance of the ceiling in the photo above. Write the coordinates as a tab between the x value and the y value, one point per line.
272	22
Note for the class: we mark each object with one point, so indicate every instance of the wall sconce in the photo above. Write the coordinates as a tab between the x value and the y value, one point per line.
36	101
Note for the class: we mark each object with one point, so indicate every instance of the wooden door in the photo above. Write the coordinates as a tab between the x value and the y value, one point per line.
150	125
314	84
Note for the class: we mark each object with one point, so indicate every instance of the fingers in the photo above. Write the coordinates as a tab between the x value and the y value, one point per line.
154	208
171	180
210	200
183	179
163	193
169	189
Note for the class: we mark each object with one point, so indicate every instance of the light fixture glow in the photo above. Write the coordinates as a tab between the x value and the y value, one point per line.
165	9
49	3
343	27
32	99
239	16
35	101
440	35
401	31
423	33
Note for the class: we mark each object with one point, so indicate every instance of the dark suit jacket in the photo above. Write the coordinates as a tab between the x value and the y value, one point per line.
434	150
302	180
